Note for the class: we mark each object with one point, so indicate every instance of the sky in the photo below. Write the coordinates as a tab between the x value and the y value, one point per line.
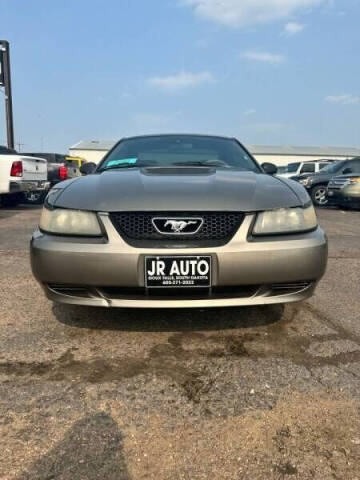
274	72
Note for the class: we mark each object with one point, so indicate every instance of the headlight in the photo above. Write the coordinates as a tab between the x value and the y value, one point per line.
305	181
69	222
354	180
285	220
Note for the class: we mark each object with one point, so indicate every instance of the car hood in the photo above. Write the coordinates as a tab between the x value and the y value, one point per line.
179	189
316	177
302	176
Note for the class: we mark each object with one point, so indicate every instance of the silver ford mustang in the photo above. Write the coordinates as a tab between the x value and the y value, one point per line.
178	221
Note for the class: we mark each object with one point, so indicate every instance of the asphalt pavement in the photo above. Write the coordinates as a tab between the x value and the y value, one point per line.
243	393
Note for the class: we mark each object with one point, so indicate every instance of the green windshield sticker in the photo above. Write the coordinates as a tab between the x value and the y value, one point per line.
122	161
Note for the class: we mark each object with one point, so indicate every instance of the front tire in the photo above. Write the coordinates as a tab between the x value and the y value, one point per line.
319	196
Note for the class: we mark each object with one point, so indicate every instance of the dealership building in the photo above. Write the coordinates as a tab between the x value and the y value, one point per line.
280	155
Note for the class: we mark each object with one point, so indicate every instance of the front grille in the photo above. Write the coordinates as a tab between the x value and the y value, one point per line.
241	291
71	290
136	228
141	293
338	183
288	288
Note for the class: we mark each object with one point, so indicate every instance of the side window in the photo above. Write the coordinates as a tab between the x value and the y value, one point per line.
308	168
59	158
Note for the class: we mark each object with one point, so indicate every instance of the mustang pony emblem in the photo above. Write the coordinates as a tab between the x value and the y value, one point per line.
178	226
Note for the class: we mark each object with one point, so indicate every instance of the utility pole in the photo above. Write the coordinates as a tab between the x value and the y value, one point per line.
5	81
19	145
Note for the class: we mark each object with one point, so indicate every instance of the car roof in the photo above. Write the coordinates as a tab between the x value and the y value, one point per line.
44	153
200	135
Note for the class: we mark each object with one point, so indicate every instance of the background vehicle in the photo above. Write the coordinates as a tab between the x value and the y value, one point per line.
59	167
317	183
345	191
78	161
281	170
20	174
298	168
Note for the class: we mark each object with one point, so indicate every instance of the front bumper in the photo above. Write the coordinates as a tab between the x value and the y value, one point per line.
18	186
349	195
109	272
306	186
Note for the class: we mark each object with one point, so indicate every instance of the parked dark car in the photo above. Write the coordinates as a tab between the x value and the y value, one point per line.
344	191
7	151
317	183
60	167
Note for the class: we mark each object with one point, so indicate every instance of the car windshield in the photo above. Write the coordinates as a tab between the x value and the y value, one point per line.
179	151
333	167
292	167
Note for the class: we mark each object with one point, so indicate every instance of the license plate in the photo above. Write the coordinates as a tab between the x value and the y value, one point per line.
176	271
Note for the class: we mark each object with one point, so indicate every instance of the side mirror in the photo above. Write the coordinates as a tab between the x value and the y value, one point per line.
269	168
347	170
87	168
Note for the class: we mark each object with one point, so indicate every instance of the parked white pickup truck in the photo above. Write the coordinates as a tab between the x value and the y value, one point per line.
300	168
19	174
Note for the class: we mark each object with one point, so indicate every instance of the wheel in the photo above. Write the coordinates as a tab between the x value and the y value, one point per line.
34	197
319	196
11	200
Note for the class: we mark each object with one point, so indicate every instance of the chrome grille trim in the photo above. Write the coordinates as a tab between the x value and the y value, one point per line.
338	183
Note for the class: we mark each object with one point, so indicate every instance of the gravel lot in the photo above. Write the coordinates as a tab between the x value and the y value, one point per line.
249	393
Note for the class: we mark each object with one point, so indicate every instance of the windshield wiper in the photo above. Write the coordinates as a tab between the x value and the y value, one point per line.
124	165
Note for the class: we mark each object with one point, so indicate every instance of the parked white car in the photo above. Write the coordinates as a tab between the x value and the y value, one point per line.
20	174
299	168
